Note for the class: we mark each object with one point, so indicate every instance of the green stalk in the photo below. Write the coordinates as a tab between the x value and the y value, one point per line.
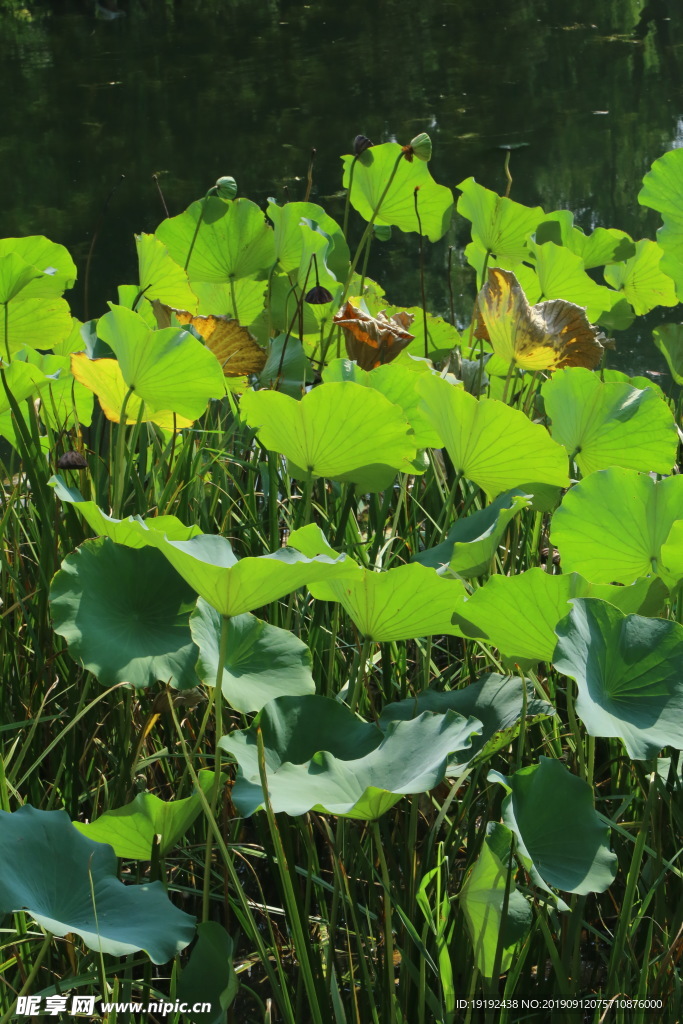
358	676
26	987
216	788
294	920
388	929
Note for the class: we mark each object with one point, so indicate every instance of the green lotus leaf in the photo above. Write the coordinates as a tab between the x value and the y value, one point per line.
169	369
478	258
55	269
33	323
131	830
499	225
611	526
292	221
518	614
672	555
399	604
161	277
370	177
640	382
291	372
495	446
641	279
233	240
603	245
15	275
473	540
662	191
334	429
562	840
396	381
629	674
603	425
497	701
244	301
669	340
232	587
320	756
488	909
68	883
562	276
124	614
134	531
209	976
261	661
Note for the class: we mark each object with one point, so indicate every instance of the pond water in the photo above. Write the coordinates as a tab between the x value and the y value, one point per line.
587	94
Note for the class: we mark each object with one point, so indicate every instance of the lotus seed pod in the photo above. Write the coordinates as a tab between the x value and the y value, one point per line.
226	187
421	146
318	296
361	143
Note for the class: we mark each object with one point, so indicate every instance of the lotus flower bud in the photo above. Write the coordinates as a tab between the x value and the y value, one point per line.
318	296
226	187
361	143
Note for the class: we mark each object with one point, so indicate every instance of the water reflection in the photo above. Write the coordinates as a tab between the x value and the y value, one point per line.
247	89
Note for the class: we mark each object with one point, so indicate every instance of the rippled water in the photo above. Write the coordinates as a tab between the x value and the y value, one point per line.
588	94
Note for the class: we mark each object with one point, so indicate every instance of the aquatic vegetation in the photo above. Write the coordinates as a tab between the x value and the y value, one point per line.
368	682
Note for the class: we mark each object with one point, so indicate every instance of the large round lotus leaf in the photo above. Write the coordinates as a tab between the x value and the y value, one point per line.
603	245
234	239
396	381
473	540
169	369
104	377
561	275
134	531
124	614
561	838
291	221
518	614
232	587
68	883
669	340
320	756
497	701
132	830
33	323
499	225
489	889
261	661
603	425
662	191
161	277
399	604
15	275
629	673
495	446
334	429
371	174
611	526
55	271
641	279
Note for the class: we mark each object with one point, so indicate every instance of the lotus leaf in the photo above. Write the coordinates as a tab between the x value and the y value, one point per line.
473	540
209	976
603	245
603	425
371	174
629	674
497	701
161	277
124	614
562	839
55	269
233	240
669	340
334	429
68	883
484	902
518	614
320	756
261	661
491	444
132	830
562	276
499	225
611	526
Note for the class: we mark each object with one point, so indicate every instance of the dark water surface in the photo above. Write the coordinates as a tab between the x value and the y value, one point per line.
589	90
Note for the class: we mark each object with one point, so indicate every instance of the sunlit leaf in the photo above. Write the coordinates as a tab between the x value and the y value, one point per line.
641	279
